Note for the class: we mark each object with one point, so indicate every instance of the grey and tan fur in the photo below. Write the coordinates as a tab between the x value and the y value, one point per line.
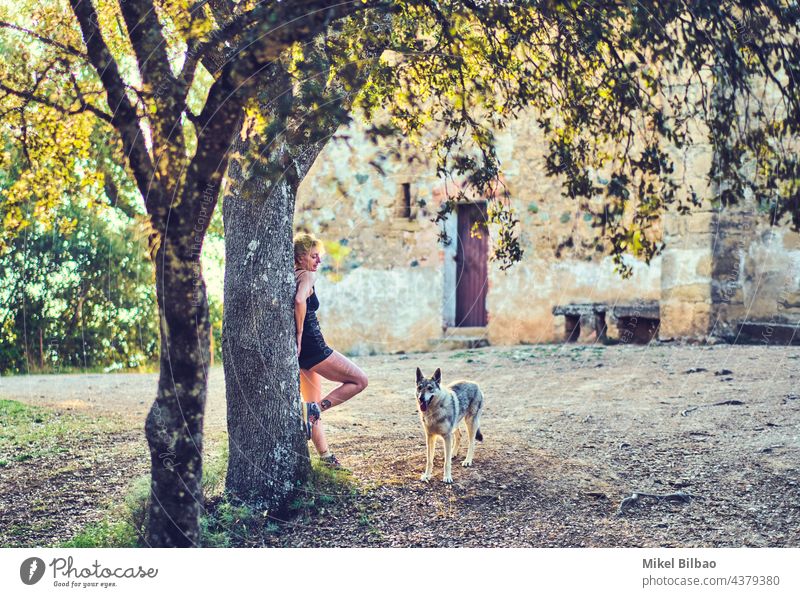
441	410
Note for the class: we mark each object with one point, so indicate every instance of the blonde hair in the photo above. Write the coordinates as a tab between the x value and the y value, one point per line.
303	243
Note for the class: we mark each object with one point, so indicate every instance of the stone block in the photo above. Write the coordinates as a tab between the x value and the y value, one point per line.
684	320
698	240
701	222
680	267
703	268
688	293
674	225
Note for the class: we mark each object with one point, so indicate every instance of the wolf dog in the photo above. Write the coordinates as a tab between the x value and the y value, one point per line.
441	410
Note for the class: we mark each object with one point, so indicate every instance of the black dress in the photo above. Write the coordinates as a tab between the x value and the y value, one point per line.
313	349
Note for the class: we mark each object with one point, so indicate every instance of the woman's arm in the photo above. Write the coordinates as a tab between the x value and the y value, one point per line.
304	286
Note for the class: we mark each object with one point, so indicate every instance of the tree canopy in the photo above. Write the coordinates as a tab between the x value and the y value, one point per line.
616	86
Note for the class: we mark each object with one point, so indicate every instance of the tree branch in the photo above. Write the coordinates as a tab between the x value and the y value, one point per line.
32	97
46	40
150	48
124	117
219	119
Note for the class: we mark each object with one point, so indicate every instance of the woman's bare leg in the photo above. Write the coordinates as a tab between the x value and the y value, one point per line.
311	390
338	367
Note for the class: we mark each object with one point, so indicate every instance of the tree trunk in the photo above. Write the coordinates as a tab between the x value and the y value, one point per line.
268	458
174	425
268	451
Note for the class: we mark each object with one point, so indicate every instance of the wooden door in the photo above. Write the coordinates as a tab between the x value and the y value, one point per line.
472	258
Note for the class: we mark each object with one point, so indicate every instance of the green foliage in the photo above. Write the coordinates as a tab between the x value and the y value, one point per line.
337	253
226	524
215	467
77	297
105	534
618	89
325	487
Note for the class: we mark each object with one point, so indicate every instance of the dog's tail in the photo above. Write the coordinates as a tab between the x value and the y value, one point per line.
479	435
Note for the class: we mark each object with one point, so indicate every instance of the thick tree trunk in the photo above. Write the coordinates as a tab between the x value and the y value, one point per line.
174	426
268	456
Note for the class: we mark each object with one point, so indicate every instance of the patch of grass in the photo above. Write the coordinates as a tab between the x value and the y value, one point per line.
228	523
215	466
365	519
325	487
29	432
123	526
24	530
105	533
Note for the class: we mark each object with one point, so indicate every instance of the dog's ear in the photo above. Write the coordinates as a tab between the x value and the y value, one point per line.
419	375
437	376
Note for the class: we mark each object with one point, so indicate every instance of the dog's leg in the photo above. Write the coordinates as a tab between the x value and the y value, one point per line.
431	443
473	424
456	443
448	458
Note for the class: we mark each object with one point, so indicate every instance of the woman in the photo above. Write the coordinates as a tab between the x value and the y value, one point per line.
317	359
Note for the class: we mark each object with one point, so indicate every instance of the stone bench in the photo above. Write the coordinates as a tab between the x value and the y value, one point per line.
582	320
775	333
637	322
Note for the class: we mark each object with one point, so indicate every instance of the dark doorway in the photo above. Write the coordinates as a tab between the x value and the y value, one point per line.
472	258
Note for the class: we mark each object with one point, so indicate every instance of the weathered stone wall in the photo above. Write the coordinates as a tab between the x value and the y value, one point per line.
755	265
372	310
685	302
390	291
756	275
724	267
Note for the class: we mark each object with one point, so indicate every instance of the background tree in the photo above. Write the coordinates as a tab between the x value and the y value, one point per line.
77	296
76	286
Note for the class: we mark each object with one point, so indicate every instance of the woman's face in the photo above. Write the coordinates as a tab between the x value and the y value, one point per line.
311	260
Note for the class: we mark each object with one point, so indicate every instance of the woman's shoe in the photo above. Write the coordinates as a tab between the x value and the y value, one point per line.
331	462
311	415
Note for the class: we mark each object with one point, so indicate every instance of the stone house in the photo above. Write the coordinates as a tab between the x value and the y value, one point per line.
390	285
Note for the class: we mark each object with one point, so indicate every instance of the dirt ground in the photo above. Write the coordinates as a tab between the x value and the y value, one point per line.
570	431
